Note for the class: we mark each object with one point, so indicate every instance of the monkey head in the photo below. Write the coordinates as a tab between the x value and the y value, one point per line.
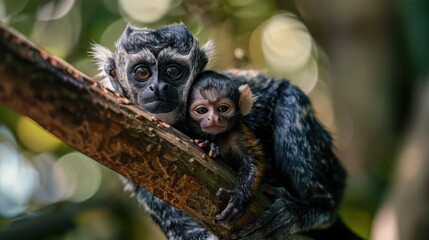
154	68
216	103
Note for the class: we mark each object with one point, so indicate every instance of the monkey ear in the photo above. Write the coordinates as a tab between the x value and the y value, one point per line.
106	65
209	50
128	30
246	99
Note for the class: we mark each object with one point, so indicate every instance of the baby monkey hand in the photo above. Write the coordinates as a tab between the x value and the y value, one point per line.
211	149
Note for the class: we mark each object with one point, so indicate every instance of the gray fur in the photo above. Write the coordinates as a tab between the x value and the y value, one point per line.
307	178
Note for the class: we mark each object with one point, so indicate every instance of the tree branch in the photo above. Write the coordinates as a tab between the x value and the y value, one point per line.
112	131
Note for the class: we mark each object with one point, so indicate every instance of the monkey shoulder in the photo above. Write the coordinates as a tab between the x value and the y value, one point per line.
266	88
258	81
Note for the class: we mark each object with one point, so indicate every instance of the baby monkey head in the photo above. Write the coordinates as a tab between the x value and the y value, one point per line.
217	103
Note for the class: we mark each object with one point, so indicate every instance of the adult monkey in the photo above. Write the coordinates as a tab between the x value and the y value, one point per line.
155	69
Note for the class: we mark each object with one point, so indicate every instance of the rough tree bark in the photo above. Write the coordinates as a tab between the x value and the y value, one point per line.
112	131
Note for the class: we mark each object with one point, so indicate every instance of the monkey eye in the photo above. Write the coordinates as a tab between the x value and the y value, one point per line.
113	73
223	108
201	110
142	73
173	71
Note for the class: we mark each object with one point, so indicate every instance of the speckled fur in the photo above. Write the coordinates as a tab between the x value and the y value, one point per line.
302	169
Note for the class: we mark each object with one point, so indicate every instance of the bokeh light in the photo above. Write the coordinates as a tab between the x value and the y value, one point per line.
306	77
323	107
55	9
112	33
81	173
18	178
285	48
53	186
42	178
286	43
35	137
146	11
58	29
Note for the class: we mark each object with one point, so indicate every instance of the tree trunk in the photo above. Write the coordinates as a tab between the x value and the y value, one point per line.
112	131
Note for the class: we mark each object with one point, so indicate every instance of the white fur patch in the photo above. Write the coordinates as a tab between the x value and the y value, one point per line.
101	55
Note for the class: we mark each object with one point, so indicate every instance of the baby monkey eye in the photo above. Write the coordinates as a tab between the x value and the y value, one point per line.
173	71
223	108
142	73
201	110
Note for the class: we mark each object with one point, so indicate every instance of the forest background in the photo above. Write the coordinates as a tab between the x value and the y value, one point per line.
364	65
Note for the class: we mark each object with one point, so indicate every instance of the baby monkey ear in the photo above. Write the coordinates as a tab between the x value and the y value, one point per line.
246	99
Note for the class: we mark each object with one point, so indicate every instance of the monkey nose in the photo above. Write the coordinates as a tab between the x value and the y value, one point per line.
153	88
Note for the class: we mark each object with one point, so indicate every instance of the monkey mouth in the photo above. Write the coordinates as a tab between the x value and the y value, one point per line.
214	130
159	106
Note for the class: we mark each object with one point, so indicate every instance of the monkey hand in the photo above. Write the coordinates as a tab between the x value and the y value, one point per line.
233	210
277	222
210	148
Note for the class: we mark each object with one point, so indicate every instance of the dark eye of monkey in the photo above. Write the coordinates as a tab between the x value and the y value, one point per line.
113	73
142	73
201	110
173	71
222	108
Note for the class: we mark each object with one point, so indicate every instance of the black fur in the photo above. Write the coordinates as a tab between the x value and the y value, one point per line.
174	36
308	178
302	160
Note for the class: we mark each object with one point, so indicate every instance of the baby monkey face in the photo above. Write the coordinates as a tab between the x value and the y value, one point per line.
213	110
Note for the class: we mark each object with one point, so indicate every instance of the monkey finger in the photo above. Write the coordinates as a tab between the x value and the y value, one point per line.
214	150
229	215
200	142
220	193
213	154
201	145
223	193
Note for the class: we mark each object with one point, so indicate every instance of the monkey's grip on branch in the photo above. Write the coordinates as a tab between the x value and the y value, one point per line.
112	131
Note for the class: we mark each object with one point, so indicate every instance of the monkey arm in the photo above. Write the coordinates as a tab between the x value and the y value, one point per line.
250	173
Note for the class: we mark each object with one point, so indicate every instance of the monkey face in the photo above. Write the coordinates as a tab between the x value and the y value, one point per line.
213	105
216	104
156	69
158	84
214	115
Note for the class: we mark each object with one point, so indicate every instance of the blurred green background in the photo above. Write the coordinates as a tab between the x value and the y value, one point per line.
361	62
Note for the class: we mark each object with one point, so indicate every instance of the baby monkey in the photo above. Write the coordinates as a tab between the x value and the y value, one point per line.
215	113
